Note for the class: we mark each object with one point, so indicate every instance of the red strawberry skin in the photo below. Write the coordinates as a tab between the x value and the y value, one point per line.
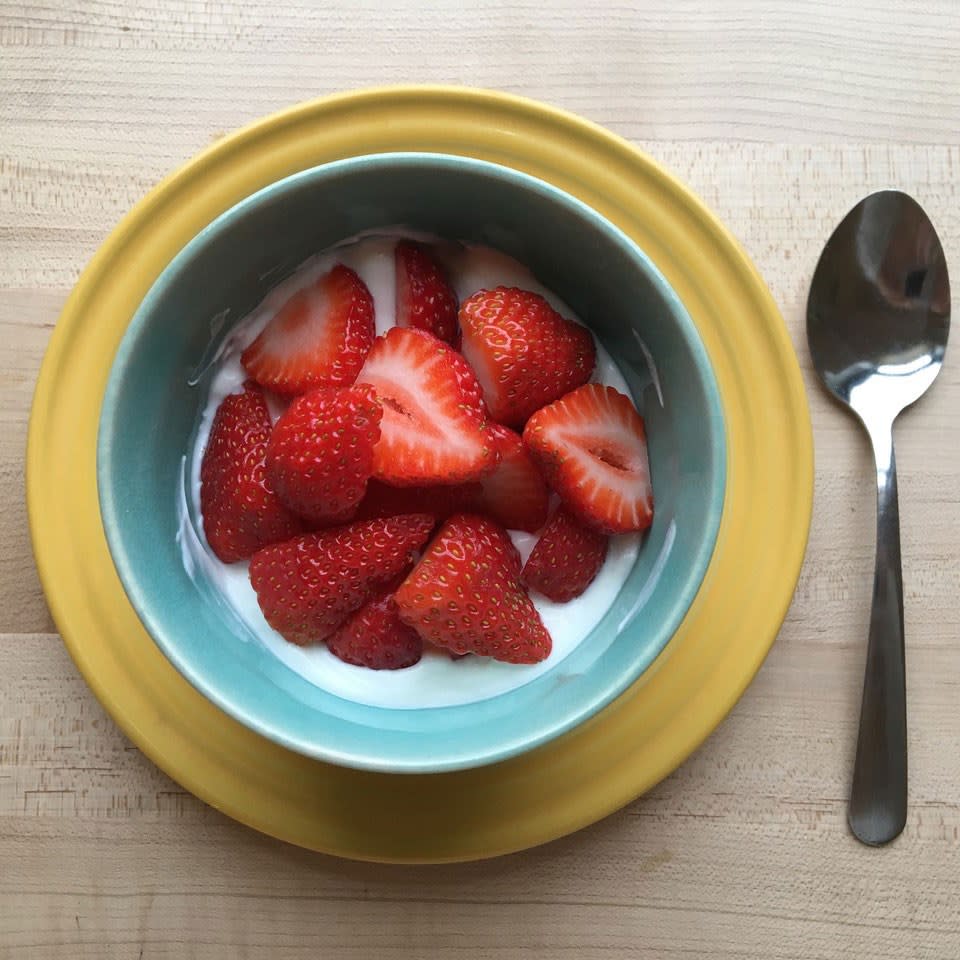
566	559
320	454
524	353
471	393
465	595
441	502
308	586
319	337
433	428
241	511
515	494
376	637
425	300
592	447
493	542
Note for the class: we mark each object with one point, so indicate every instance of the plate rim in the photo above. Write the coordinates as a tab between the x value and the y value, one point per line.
427	110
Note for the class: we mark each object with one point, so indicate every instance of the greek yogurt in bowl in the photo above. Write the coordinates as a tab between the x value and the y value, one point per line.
436	680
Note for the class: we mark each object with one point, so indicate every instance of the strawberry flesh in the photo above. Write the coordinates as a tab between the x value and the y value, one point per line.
241	511
319	337
308	586
592	447
566	559
465	595
433	430
515	494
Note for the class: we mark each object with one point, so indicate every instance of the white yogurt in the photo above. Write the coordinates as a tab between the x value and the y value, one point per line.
436	680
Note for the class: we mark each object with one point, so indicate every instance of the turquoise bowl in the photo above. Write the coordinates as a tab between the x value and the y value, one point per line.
152	402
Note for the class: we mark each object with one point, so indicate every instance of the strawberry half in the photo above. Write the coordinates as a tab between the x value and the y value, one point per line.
433	427
465	595
308	586
382	500
320	454
425	300
566	559
515	494
592	447
320	336
376	637
241	511
524	353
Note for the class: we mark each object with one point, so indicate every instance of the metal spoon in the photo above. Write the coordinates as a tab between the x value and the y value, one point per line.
878	316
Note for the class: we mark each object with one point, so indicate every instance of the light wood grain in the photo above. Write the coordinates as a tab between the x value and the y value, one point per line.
780	115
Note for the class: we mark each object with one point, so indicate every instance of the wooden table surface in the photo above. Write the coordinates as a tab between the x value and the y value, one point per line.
780	114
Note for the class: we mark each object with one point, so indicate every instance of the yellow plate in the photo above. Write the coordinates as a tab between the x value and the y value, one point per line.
586	774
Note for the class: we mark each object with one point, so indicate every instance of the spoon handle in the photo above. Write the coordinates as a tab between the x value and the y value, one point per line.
878	799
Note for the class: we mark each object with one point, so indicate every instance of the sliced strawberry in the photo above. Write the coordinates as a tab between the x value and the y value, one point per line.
432	429
515	494
566	559
524	353
465	595
241	511
320	454
382	500
425	299
471	393
308	586
319	337
495	542
592	447
376	637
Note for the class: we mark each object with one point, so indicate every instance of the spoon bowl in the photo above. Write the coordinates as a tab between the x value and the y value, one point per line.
878	317
879	309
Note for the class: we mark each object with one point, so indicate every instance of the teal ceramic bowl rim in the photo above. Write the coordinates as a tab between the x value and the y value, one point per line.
343	755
